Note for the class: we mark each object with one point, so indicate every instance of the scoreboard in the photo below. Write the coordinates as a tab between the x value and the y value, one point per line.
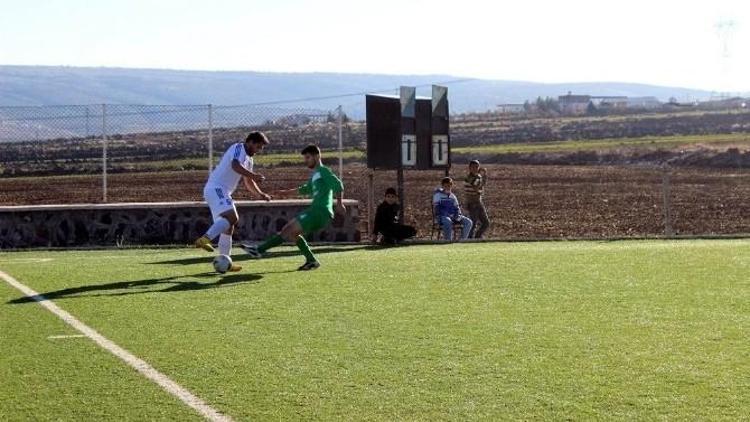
408	132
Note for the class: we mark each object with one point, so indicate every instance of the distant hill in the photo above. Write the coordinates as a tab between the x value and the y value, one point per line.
42	85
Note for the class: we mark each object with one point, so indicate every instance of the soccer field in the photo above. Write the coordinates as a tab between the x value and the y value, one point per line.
549	330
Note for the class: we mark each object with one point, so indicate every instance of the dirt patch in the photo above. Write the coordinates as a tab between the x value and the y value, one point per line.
523	201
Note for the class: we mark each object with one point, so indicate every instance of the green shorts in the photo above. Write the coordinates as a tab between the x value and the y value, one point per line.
314	219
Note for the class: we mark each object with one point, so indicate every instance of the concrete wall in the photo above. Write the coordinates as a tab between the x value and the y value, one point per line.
153	223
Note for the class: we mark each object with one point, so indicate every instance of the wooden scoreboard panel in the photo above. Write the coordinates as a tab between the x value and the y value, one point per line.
383	132
440	147
407	132
424	133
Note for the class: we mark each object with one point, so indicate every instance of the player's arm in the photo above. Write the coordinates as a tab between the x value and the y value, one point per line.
239	168
285	193
304	190
337	187
340	207
253	188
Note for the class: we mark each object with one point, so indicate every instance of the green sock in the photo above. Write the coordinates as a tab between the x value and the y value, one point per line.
305	248
271	242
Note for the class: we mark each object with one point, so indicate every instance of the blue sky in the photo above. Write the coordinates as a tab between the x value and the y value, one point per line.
662	42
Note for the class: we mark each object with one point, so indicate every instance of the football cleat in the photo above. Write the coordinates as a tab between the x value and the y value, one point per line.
204	243
234	268
308	266
252	250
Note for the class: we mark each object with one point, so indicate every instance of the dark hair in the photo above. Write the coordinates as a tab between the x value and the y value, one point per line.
257	138
391	191
311	149
446	180
474	162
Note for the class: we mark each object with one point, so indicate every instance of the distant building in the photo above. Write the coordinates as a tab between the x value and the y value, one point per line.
610	102
511	108
574	104
724	103
581	104
648	103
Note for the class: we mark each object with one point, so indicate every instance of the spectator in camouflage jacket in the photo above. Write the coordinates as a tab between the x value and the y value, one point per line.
473	190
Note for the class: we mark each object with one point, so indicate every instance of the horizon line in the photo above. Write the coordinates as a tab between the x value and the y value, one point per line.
327	72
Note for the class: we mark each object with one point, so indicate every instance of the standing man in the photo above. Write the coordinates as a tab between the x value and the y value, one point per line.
447	211
235	164
323	184
473	189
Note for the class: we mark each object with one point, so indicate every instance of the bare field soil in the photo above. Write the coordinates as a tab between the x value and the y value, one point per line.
498	138
523	201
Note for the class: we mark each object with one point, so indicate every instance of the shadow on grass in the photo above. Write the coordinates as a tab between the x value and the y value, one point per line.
244	257
123	288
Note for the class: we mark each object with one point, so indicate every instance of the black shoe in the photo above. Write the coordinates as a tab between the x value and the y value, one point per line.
389	241
313	265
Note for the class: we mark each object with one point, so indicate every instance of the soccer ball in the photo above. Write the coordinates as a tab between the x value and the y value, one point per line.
222	263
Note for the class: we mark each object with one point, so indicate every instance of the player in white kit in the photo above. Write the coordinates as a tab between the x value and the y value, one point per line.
236	164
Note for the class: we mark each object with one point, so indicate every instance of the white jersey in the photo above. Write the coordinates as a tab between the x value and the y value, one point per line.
223	176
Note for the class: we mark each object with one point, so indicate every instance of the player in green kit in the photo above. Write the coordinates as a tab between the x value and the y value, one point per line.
323	184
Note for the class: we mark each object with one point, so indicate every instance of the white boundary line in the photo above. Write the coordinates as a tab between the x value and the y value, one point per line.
138	364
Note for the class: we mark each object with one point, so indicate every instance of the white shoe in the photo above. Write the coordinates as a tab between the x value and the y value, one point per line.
252	250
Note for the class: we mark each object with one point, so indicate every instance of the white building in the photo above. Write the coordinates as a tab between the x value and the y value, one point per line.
510	108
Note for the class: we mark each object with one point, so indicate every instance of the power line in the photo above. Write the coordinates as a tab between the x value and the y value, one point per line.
354	94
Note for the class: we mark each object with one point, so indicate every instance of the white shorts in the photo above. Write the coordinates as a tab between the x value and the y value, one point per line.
218	200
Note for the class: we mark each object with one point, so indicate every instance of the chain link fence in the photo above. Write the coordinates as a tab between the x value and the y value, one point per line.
138	153
116	139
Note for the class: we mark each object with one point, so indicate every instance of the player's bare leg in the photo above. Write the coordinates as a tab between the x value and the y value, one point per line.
223	224
287	233
225	248
294	234
291	232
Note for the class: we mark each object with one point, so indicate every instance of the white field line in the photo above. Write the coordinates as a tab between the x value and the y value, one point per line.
64	336
138	364
28	260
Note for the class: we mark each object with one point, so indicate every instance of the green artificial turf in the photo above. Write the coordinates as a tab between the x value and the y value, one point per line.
552	330
46	376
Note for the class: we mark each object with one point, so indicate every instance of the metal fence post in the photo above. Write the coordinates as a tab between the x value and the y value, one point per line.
370	200
104	153
667	203
210	138
341	141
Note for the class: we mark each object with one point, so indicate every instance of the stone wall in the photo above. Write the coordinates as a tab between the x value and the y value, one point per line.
153	223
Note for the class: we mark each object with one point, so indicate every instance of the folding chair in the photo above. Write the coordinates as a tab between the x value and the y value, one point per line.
437	228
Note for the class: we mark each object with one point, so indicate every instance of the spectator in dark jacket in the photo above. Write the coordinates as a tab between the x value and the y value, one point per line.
386	221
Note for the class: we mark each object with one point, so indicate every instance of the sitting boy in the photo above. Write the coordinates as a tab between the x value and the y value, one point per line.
386	221
448	212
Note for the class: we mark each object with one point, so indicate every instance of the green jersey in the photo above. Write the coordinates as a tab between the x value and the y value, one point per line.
321	186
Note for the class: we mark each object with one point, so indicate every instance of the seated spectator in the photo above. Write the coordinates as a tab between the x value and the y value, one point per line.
448	212
386	221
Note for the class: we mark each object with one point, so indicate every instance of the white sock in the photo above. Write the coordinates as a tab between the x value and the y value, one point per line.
220	226
225	244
